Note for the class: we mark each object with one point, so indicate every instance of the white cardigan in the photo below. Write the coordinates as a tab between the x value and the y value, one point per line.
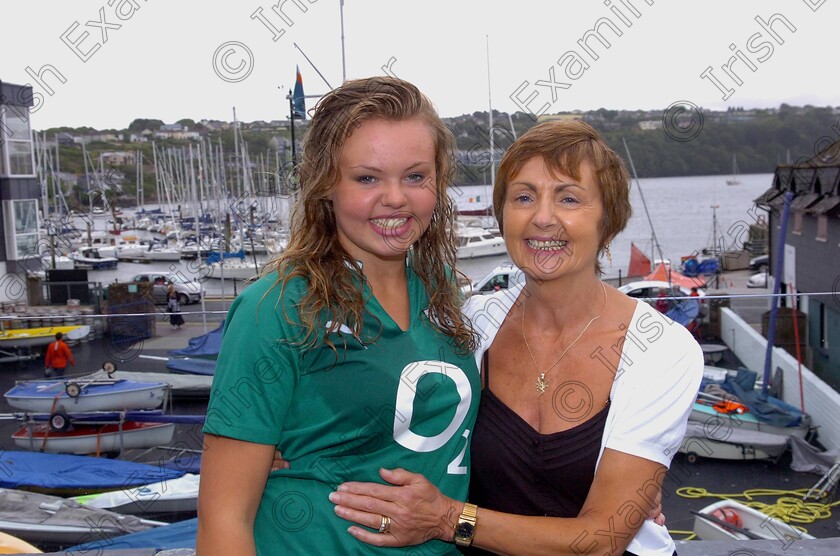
659	373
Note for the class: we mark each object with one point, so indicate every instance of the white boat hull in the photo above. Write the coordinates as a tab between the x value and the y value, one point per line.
174	495
752	520
149	397
156	434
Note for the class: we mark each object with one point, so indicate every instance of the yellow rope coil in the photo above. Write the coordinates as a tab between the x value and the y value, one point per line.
789	507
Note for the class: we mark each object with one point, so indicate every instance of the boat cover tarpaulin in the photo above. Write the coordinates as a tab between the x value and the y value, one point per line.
21	508
766	409
63	471
192	366
206	345
684	311
169	537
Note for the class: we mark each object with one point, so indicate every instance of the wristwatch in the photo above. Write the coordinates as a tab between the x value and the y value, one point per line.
465	529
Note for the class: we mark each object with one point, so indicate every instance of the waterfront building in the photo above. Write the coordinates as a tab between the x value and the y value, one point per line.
19	193
812	251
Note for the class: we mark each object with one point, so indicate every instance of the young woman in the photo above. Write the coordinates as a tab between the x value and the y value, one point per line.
353	353
586	391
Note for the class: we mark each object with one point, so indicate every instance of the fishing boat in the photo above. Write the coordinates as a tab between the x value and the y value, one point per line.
728	520
95	438
171	496
41	518
34	337
91	393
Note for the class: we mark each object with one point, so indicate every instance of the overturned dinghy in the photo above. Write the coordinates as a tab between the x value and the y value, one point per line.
40	518
714	440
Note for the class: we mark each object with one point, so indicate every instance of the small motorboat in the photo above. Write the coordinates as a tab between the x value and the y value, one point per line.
41	518
728	520
90	258
94	438
171	496
96	392
34	337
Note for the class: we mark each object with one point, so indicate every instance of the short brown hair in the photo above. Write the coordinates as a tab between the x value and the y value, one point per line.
564	146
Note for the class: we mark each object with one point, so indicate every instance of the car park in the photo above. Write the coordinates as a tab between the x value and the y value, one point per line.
188	292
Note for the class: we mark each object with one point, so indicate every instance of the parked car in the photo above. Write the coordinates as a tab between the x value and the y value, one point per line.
649	289
504	276
188	292
760	263
758	280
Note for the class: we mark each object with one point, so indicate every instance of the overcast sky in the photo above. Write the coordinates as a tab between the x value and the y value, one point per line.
198	59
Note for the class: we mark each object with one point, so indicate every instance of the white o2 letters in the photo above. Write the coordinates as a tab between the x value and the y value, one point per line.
406	393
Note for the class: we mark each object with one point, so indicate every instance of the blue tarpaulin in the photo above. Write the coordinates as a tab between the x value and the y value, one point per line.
206	345
169	537
63	471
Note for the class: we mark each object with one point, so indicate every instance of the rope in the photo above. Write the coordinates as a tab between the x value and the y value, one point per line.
789	507
686	535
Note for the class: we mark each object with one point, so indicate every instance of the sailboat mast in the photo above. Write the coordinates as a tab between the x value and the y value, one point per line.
490	106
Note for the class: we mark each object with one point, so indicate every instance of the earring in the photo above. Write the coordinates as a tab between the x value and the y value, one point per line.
607	253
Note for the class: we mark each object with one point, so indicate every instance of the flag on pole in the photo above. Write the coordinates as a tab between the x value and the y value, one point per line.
297	96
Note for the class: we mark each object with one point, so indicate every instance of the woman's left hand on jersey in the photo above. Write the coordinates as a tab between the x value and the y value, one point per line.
417	509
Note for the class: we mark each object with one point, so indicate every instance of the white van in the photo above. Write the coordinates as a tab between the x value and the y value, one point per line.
504	276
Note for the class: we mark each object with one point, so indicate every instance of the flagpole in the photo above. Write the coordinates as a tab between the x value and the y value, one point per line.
292	126
343	64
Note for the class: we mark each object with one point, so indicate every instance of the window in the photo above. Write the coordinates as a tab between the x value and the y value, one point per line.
822	227
24	242
16	152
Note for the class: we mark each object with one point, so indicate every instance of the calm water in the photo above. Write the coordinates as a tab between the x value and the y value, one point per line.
680	210
682	216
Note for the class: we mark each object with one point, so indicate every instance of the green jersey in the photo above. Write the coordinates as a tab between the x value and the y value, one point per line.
386	398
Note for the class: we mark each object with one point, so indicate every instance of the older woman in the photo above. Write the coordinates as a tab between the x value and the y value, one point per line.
586	391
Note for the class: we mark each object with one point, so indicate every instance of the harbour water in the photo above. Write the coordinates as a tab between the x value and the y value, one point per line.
680	211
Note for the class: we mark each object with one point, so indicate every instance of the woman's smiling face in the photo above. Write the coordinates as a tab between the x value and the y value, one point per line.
553	221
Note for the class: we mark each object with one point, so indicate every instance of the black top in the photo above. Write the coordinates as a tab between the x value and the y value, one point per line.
517	470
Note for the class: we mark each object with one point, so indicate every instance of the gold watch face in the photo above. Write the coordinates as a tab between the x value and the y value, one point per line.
465	530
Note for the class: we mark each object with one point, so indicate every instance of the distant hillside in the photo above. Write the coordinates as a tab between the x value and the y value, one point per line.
761	139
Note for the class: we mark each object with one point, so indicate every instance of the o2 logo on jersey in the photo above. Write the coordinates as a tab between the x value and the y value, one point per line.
406	394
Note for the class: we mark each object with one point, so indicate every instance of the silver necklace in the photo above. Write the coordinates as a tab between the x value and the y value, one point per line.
542	382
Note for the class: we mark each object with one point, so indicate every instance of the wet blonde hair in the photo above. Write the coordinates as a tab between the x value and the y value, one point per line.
564	146
314	252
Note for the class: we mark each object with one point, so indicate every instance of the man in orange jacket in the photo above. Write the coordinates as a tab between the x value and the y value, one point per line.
58	355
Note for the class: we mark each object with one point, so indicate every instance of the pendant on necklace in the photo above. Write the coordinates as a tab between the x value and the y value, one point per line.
542	384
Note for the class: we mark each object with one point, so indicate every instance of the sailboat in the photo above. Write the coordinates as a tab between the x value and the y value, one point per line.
734	179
